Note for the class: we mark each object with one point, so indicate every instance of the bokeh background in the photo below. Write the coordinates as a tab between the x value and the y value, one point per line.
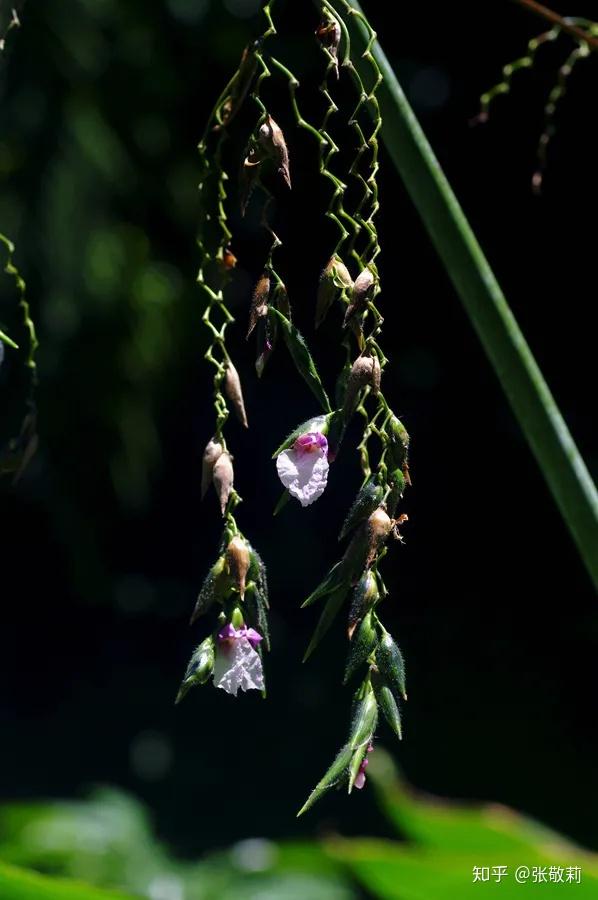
104	542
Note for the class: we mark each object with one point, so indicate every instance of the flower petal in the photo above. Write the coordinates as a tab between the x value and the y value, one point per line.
304	474
238	666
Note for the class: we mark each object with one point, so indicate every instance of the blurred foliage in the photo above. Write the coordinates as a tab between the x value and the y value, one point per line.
107	841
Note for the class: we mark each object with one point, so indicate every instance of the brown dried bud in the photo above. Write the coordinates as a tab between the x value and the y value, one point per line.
329	35
234	392
364	371
238	560
363	290
259	301
335	278
272	140
210	455
223	476
379	527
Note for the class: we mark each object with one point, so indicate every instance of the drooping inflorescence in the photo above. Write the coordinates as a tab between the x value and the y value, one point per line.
584	33
347	294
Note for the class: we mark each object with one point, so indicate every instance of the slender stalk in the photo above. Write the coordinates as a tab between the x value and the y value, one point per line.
486	306
549	15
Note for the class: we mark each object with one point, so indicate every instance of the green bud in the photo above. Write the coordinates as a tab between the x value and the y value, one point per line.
201	666
387	704
365	595
397	482
365	716
256	609
391	665
399	441
362	646
367	500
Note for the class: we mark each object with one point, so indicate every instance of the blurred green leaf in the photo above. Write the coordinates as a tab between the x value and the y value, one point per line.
16	884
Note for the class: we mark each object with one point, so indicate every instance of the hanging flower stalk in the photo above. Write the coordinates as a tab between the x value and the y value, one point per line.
584	34
348	290
236	586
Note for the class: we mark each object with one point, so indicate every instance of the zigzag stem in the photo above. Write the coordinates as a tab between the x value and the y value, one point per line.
583	31
372	516
21	448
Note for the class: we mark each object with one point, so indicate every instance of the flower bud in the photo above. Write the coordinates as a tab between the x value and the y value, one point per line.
397	483
232	389
361	294
365	717
365	595
199	669
391	665
210	455
399	440
259	301
334	279
229	260
238	559
365	371
272	140
223	476
379	527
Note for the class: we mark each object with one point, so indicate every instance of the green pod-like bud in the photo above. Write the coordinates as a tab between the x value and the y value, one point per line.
216	584
362	645
365	595
302	359
201	666
397	482
317	423
391	665
257	573
388	704
399	441
365	716
368	498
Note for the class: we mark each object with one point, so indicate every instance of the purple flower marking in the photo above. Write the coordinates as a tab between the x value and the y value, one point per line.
230	633
303	468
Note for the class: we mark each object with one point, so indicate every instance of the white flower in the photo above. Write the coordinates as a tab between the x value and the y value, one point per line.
238	665
303	469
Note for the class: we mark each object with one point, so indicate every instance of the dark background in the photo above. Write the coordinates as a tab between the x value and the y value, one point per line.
104	543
